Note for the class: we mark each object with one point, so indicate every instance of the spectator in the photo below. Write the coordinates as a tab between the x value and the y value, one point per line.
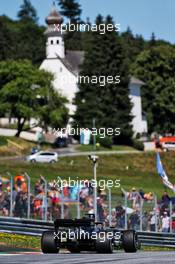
145	221
121	220
119	209
20	206
37	188
14	194
134	220
100	210
152	221
134	196
148	196
4	204
165	199
165	223
141	192
113	218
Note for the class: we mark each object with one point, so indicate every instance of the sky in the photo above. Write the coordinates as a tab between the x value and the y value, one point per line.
142	16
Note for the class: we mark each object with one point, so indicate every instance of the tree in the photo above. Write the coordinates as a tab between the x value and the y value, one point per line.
70	9
109	104
31	44
7	37
25	93
27	11
21	40
156	67
133	45
152	41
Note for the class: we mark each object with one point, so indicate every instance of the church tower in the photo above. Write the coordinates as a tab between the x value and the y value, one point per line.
55	42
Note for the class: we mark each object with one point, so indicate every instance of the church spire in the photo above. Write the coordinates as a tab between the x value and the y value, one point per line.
54	17
55	42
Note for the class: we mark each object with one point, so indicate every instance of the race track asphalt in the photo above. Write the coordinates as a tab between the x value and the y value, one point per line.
120	258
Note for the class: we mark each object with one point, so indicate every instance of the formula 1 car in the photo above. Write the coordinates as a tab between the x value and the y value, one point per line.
87	235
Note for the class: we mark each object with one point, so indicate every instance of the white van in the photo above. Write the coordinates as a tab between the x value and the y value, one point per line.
167	146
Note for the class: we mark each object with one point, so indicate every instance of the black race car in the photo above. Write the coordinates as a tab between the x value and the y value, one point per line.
87	235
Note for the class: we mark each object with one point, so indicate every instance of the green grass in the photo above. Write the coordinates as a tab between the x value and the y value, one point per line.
22	146
138	170
3	141
90	148
19	241
156	248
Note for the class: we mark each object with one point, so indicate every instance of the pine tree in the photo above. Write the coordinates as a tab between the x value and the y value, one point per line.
109	104
27	11
152	42
133	45
71	10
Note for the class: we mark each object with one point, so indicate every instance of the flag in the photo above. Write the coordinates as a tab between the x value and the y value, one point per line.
163	175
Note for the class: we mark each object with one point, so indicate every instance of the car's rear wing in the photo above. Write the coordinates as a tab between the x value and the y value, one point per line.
85	222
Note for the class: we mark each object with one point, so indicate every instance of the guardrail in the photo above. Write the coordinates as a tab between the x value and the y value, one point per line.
36	227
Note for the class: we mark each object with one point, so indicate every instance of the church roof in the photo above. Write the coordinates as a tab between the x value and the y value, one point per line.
75	59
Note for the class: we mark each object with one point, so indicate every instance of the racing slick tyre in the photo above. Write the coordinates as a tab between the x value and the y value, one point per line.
104	245
130	241
48	243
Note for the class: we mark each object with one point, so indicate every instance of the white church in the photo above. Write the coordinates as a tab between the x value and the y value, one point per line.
64	65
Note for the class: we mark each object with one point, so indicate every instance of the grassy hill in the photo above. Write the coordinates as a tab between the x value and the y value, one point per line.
138	170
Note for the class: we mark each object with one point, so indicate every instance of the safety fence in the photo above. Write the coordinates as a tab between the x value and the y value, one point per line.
47	201
36	228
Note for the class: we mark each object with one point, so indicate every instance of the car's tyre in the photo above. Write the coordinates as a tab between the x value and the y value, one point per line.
104	245
48	243
130	241
33	161
53	161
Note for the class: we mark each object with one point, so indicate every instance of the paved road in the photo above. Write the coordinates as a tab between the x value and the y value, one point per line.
69	153
120	258
86	153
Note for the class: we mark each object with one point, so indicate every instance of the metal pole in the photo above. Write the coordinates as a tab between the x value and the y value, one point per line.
126	205
171	212
28	195
62	198
45	198
62	203
141	215
11	193
155	206
78	204
95	190
109	200
94	136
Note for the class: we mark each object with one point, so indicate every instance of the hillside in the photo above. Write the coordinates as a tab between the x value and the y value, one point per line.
138	170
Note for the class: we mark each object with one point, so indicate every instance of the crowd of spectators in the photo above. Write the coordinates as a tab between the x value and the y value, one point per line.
145	216
140	210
